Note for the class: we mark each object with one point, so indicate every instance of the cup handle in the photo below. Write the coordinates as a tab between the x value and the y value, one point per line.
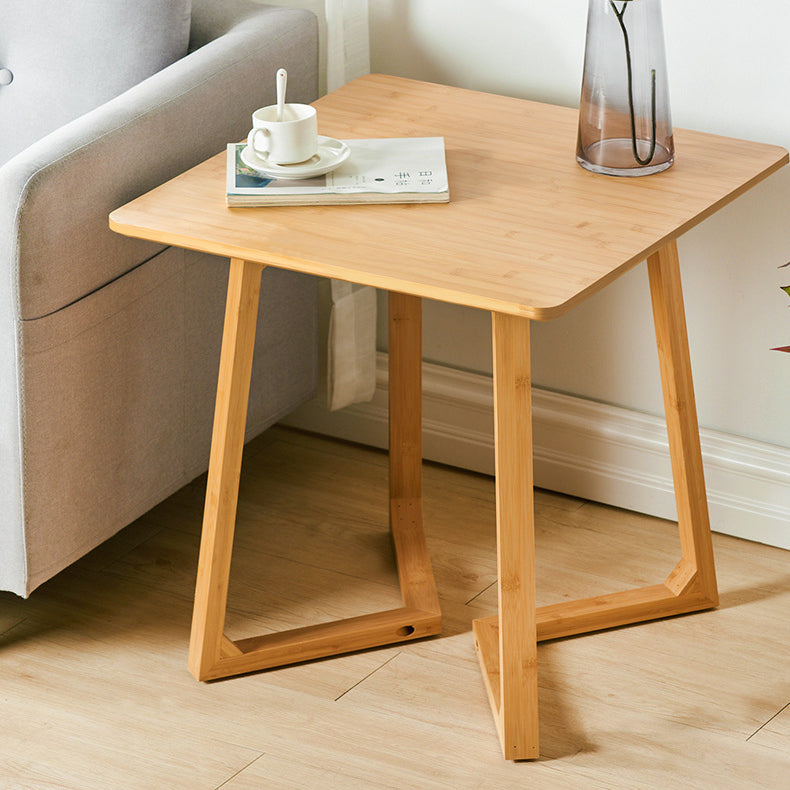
253	136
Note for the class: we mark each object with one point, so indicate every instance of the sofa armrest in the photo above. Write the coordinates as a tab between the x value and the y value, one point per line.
54	235
211	20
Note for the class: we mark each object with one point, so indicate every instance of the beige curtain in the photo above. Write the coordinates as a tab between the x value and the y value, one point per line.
351	352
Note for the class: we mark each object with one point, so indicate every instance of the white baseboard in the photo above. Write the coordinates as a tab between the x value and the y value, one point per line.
586	449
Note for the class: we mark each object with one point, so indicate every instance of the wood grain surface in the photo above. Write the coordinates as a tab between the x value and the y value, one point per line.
526	231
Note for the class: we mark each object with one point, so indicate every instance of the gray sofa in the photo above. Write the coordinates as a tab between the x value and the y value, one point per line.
109	346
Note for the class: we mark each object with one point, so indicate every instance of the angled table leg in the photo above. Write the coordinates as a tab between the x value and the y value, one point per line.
208	644
212	654
506	641
694	578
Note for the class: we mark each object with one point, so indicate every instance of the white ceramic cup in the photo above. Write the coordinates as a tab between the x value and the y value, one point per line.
286	142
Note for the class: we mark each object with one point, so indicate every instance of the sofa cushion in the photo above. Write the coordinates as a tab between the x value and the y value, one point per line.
62	59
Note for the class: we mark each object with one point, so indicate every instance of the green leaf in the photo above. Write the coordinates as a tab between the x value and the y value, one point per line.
786	289
782	348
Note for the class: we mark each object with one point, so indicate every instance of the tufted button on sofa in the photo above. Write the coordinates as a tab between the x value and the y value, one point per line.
109	346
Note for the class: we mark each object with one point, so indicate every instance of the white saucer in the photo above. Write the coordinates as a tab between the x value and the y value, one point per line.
331	154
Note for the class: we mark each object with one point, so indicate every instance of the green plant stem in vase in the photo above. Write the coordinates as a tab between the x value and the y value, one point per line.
625	128
629	70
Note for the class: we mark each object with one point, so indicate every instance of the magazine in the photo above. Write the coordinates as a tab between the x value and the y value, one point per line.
398	170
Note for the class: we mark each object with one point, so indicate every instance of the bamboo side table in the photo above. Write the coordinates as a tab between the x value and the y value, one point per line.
527	235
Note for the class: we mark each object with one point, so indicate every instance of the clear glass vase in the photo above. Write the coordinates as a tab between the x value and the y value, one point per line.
625	128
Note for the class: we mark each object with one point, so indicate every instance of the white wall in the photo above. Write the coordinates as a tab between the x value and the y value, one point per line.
729	68
343	50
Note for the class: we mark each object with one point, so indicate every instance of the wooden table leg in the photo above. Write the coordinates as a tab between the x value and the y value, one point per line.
207	642
695	574
405	427
507	644
212	654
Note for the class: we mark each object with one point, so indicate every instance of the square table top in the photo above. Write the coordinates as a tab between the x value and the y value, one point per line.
526	232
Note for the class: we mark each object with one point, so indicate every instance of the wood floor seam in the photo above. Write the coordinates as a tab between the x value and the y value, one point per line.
7	631
240	771
765	724
482	592
360	682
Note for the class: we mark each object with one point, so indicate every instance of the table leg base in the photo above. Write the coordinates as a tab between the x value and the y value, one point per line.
318	641
486	631
579	617
418	618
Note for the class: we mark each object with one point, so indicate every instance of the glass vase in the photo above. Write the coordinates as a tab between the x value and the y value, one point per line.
625	127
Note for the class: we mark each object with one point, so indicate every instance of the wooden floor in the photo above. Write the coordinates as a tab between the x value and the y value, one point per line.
95	694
